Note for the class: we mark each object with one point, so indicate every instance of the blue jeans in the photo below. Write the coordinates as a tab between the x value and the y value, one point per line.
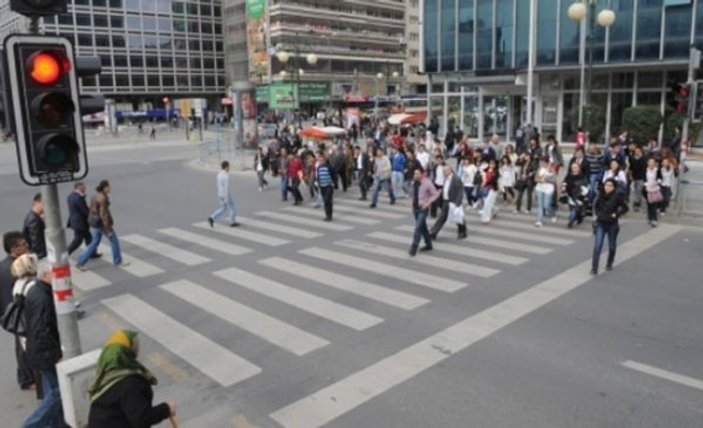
397	178
377	184
49	413
593	181
284	186
575	215
225	204
544	205
97	237
421	231
600	230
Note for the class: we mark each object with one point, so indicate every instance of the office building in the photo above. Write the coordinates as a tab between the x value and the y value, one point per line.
149	48
476	55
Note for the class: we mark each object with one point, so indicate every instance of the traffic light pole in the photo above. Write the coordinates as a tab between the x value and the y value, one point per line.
61	273
61	284
693	63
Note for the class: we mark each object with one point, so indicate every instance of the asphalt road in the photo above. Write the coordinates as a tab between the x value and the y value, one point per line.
290	321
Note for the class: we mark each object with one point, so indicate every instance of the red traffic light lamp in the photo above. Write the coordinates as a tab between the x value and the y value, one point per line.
45	68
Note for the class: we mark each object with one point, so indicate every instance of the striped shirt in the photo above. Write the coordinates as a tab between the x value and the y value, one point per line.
324	175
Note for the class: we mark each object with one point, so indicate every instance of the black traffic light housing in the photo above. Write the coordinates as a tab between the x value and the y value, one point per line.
42	85
36	8
681	93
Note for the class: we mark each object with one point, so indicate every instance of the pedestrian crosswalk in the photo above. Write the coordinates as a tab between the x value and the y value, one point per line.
354	274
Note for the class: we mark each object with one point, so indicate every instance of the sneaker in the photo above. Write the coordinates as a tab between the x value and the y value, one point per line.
393	201
608	267
327	219
96	255
235	224
261	189
372	206
517	212
529	211
539	224
554	219
211	221
594	272
123	264
662	213
425	249
412	252
81	268
653	223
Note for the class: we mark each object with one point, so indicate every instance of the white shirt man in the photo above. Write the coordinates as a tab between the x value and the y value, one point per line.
224	198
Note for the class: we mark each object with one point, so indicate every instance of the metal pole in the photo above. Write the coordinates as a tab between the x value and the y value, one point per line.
61	284
582	63
531	59
591	36
693	63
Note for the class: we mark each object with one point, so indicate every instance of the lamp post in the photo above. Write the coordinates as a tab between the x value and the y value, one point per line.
379	78
578	12
283	57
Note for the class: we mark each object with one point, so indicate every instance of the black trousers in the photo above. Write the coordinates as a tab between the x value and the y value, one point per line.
327	193
522	188
295	189
438	203
442	219
363	184
79	236
25	376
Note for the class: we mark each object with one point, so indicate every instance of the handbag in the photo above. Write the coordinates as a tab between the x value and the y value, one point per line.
456	213
13	318
655	195
94	221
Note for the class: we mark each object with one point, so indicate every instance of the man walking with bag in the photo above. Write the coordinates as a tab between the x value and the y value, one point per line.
325	181
423	194
453	193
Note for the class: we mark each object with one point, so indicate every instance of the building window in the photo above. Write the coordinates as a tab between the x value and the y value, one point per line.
466	35
621	32
152	61
484	33
570	36
163	6
649	17
102	40
168	80
677	31
431	44
132	4
83	19
118	41
153	81
100	3
133	23
122	80
117	4
85	40
546	33
65	19
136	61
504	34
178	7
137	80
522	30
196	80
447	35
116	22
120	61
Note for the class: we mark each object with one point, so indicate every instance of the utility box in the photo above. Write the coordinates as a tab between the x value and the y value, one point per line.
75	377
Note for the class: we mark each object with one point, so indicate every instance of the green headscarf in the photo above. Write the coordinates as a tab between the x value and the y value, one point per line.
118	360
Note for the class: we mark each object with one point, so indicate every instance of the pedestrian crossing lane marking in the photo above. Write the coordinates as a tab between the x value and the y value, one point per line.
136	267
166	250
215	361
374	292
395	272
456	249
380	207
348	219
276	227
237	232
257	323
438	262
547	228
214	244
305	221
537	235
332	401
343	315
371	212
495	243
87	280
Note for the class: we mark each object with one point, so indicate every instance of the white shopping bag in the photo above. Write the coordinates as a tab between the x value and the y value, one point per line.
489	207
456	213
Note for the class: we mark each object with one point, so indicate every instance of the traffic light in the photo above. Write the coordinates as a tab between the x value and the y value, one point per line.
38	8
42	86
681	93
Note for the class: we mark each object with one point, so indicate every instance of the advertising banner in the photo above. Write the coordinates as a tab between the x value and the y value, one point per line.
262	94
314	91
257	43
282	96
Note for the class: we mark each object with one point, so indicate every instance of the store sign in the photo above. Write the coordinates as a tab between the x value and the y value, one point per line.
257	41
282	96
262	94
314	91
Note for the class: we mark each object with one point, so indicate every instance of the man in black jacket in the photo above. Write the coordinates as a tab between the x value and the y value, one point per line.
33	229
452	192
44	350
78	218
363	168
15	245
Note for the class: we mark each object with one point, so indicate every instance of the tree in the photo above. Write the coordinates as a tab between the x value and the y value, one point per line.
642	123
593	121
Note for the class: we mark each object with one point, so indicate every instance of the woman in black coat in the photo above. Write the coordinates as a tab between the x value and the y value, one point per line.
609	207
574	183
121	395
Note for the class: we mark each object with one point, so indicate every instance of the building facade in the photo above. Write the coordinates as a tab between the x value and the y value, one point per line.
476	55
149	49
360	47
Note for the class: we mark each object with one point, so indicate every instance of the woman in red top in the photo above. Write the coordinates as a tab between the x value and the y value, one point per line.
295	175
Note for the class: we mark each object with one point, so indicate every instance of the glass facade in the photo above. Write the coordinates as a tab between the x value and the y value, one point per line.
494	34
148	46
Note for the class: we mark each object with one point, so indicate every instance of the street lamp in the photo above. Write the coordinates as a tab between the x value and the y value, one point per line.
283	57
578	12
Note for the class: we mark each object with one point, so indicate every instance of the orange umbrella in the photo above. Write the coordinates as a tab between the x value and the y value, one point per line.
313	133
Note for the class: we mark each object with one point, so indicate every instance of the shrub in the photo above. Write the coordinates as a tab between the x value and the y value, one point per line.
642	122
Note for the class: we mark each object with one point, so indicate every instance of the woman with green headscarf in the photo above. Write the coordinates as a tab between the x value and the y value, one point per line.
121	395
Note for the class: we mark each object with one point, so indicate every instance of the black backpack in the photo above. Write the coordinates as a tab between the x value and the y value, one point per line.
13	319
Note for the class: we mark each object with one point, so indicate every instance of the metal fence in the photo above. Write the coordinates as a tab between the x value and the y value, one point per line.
689	199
